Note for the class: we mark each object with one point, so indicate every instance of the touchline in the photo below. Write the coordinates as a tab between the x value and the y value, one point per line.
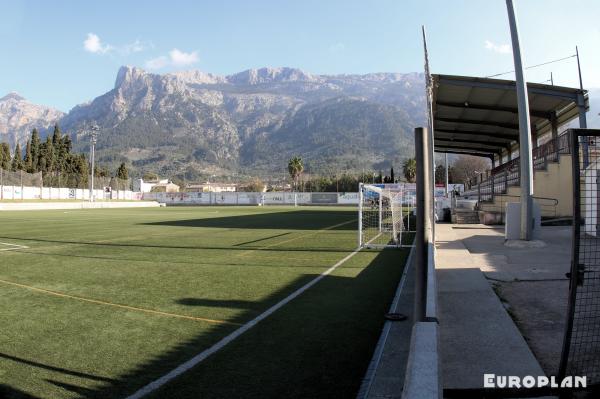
513	381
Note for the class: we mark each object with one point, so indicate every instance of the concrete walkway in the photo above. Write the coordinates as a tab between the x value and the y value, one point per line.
477	335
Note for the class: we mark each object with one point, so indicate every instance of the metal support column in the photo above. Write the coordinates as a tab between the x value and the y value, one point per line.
582	118
446	162
526	165
424	222
554	124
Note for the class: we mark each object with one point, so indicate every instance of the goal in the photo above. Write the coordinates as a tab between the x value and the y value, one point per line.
384	213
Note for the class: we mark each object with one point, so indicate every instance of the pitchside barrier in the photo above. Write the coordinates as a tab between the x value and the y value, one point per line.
244	198
62	193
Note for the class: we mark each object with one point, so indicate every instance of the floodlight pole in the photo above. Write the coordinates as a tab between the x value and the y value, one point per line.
526	165
93	137
582	118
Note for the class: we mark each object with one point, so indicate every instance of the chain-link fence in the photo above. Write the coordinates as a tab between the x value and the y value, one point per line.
20	178
23	185
581	348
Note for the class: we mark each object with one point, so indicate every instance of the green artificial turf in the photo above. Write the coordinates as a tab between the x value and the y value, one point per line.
225	264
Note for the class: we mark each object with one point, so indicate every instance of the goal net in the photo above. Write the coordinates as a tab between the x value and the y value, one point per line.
386	216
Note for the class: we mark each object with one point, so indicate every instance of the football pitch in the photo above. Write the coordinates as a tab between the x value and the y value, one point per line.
101	303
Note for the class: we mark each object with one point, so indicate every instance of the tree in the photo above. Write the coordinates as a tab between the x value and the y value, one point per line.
465	167
440	174
17	161
3	157
295	167
28	160
150	176
101	171
392	179
122	172
409	168
35	150
47	160
255	186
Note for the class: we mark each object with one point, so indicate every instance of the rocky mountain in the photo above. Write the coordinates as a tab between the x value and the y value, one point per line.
197	124
18	117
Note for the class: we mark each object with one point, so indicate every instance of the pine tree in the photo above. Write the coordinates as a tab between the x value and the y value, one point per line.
5	149
35	150
56	137
122	172
17	161
47	159
28	160
392	175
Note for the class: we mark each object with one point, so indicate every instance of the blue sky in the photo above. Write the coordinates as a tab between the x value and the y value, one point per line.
62	53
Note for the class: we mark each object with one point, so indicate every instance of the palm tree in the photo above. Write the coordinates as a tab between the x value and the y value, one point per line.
295	167
410	169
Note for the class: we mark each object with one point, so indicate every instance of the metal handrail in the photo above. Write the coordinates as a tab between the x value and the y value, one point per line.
508	174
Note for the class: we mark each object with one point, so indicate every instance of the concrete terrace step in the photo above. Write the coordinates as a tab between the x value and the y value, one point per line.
466	217
477	335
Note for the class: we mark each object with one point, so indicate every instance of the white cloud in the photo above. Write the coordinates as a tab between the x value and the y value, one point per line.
134	47
176	58
93	44
157	63
497	48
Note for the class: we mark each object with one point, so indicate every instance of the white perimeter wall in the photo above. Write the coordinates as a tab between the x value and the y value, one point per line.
55	193
241	198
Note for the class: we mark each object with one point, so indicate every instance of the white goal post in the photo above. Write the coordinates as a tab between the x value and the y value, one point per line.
384	216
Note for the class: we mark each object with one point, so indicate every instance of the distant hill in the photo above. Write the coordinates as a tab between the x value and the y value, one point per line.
18	117
201	124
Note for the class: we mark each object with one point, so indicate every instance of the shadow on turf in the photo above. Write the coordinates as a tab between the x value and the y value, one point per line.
230	248
213	303
8	392
290	220
320	343
54	368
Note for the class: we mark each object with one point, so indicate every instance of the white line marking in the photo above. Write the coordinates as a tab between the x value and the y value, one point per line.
182	368
14	246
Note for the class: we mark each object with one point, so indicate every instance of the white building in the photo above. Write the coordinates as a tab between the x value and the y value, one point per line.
211	187
142	186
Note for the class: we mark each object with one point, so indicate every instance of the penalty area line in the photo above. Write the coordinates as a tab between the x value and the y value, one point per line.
194	361
13	247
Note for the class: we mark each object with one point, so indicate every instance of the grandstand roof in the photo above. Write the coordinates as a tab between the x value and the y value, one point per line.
479	116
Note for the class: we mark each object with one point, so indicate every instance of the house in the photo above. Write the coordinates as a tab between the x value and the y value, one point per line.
165	188
211	187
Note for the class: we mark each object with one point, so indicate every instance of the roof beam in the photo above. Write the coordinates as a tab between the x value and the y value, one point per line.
475	154
508	136
473	141
504	125
469	105
499	85
464	152
474	146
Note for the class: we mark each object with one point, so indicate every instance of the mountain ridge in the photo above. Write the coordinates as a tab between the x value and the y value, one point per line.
195	123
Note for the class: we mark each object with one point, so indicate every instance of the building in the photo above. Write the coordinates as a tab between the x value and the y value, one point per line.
211	187
167	187
162	185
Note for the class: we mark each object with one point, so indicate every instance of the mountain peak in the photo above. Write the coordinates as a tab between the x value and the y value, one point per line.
13	95
127	74
269	75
